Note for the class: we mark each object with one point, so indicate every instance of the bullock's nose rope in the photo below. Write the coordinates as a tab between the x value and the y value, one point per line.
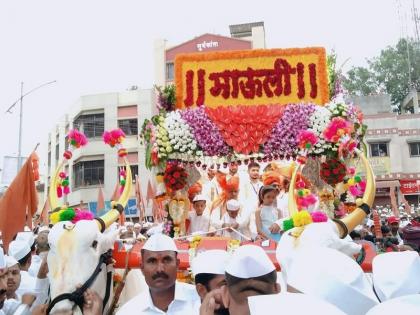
77	295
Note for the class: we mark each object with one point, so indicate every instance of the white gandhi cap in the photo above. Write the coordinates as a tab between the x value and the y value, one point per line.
19	249
199	198
249	261
2	259
159	243
396	274
298	304
10	261
407	305
233	205
211	261
27	237
331	276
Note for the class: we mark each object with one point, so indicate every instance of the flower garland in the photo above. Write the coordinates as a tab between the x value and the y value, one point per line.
115	138
333	171
175	177
283	139
205	132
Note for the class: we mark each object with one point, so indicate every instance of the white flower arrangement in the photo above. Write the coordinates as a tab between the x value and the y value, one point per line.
318	122
181	139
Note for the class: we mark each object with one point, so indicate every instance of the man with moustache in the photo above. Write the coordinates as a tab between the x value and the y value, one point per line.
165	295
13	278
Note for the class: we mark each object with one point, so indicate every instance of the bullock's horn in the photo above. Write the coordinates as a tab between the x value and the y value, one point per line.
54	203
348	223
117	206
292	200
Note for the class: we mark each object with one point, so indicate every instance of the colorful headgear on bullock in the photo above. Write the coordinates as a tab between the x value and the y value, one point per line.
60	182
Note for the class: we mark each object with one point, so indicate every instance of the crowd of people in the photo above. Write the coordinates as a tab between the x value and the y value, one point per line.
252	207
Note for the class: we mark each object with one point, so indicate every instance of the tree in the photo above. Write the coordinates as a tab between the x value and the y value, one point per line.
390	72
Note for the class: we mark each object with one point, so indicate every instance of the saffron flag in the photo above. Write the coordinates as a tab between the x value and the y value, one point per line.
101	200
139	199
20	201
44	213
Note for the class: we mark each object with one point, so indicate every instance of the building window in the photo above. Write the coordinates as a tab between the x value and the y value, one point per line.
66	143
379	149
87	173
170	71
49	158
129	126
91	125
414	149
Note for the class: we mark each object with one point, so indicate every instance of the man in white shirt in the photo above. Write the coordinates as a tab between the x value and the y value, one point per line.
199	218
165	295
248	194
210	186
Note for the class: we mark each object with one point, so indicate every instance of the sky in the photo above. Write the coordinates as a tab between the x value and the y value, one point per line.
91	46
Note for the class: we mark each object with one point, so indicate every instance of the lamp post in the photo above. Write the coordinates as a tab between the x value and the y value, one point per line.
20	100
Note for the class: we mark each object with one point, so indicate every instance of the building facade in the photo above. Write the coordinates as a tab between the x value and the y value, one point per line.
393	143
97	165
243	36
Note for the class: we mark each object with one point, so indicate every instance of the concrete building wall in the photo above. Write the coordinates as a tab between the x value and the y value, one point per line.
108	104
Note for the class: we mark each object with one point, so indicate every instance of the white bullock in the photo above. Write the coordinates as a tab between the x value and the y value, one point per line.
74	256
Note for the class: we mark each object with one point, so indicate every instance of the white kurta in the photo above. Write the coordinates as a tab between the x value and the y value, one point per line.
248	196
211	190
184	303
243	220
198	223
27	284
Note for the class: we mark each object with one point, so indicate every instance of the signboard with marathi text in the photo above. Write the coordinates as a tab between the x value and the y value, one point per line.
410	187
252	77
380	165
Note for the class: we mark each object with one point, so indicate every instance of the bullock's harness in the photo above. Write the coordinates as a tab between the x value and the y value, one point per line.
77	295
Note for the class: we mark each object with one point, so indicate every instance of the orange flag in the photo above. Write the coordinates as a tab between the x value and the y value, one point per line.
101	200
44	213
139	199
116	193
150	194
20	201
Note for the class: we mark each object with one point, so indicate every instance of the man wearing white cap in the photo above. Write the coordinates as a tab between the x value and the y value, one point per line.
21	251
208	269
199	219
3	280
137	228
234	218
165	295
129	232
13	277
396	274
332	276
296	304
249	272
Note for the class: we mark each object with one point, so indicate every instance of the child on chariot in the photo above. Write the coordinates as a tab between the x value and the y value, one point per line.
267	214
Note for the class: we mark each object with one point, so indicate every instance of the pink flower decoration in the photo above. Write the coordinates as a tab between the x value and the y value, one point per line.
82	215
113	137
307	139
319	216
76	138
337	128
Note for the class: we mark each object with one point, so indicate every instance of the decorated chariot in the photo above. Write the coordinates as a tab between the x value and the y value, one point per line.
230	107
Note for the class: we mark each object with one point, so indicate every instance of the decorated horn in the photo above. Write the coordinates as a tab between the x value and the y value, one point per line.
53	197
117	206
292	200
348	223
